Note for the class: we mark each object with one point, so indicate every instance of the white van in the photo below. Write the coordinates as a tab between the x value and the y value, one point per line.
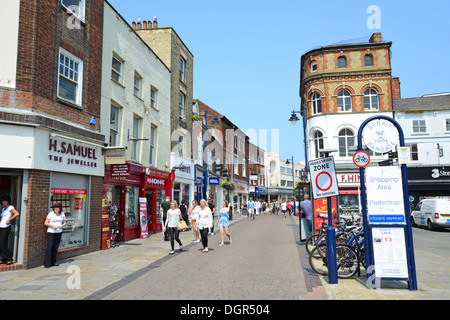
433	213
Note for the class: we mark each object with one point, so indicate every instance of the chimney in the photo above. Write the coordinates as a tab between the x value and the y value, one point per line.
149	24
134	25
396	94
139	26
375	38
155	23
144	25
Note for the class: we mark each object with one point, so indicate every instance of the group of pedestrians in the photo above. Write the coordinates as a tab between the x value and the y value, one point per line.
200	217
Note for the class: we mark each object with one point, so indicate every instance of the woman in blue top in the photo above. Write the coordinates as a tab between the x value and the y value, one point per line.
224	221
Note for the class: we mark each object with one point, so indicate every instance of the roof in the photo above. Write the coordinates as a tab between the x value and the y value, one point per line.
426	103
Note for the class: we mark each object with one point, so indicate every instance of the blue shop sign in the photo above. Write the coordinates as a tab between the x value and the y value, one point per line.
214	181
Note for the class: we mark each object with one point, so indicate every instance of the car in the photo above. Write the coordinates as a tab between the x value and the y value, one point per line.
432	213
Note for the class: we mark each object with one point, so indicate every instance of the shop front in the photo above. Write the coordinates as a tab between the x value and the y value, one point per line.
51	167
123	185
183	188
349	194
428	182
158	185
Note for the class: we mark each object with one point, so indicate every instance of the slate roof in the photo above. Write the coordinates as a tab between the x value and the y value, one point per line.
426	103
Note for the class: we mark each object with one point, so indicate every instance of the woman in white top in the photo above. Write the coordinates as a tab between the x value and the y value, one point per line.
171	225
8	215
204	223
55	222
193	216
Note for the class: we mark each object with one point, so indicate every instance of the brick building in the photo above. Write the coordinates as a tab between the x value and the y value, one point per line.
226	156
341	86
50	96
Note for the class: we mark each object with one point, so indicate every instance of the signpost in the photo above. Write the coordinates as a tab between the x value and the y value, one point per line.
324	185
386	212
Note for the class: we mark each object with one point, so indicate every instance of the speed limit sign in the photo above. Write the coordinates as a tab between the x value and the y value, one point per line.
361	159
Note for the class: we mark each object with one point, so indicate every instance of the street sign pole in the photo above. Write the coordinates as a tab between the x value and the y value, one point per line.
331	247
324	183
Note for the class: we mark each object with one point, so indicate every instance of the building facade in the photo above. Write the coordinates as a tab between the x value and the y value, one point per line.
340	87
50	97
136	124
425	122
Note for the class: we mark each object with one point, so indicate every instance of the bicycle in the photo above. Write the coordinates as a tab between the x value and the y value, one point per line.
349	256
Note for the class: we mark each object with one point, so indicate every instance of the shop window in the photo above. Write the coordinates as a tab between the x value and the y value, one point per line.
131	207
74	203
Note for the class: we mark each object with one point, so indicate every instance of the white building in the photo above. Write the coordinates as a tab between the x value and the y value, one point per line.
280	181
425	122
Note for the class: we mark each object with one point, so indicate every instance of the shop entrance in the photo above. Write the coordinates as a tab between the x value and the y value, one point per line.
11	185
154	198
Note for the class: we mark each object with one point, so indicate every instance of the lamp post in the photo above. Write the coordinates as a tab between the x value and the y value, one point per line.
293	178
215	123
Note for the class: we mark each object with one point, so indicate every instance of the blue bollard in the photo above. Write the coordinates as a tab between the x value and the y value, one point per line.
331	247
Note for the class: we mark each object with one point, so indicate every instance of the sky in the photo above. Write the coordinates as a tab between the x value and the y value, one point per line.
247	52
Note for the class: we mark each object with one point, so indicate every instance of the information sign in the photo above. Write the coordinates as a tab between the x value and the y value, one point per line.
385	203
323	178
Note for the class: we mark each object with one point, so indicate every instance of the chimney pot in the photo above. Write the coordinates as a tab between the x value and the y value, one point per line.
144	25
149	24
155	23
134	25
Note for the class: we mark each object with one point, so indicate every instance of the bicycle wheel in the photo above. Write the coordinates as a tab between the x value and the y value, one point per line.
318	259
347	261
313	240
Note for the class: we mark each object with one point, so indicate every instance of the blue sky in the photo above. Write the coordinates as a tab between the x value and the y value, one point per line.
247	52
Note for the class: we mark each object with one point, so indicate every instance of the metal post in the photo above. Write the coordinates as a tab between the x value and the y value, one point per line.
331	247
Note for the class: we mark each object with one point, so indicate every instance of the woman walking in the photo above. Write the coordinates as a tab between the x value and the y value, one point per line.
55	222
193	214
9	213
171	226
224	221
204	223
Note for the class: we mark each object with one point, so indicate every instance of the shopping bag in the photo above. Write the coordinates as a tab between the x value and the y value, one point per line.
181	226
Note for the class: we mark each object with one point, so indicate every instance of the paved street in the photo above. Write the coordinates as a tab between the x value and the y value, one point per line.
264	262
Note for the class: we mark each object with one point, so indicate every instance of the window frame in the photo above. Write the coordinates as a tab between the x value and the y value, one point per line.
349	141
81	14
153	144
137	90
371	60
182	70
343	98
316	103
79	83
419	126
447	124
182	105
120	73
116	127
154	99
136	150
339	64
314	64
318	142
370	95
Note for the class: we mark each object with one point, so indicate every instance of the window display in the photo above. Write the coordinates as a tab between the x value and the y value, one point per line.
74	207
131	207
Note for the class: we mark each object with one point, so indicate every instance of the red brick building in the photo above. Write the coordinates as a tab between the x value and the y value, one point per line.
49	123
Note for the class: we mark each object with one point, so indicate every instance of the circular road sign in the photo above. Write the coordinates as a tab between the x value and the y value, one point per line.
361	159
324	181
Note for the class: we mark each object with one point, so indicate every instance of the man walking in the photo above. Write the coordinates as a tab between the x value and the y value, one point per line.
305	206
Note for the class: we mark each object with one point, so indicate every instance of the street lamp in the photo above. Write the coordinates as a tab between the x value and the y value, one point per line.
294	119
215	123
293	178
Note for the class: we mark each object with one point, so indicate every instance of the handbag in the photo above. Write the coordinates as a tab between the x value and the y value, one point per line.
181	225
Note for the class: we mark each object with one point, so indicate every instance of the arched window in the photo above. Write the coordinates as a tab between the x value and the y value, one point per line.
316	103
368	60
344	101
342	63
370	99
318	143
313	66
346	140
